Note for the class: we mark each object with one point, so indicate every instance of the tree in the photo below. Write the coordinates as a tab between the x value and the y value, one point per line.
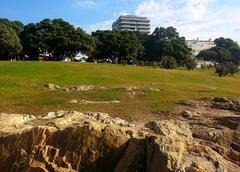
15	25
226	51
223	69
55	38
166	42
130	46
236	54
232	68
190	63
168	62
117	46
225	43
9	43
31	39
208	55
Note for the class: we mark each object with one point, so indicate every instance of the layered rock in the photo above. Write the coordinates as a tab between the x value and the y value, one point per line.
62	141
226	103
216	124
72	141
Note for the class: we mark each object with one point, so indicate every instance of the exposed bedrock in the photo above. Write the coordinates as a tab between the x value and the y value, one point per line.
93	142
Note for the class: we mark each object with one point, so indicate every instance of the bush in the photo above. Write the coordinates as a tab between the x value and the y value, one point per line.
124	62
223	69
203	67
190	63
232	69
140	63
155	64
168	63
147	63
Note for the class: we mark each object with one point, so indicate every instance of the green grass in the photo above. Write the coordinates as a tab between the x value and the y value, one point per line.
22	87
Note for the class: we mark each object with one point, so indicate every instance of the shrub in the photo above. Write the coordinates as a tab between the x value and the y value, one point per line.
124	62
140	63
190	63
203	67
232	68
168	63
147	63
223	69
155	64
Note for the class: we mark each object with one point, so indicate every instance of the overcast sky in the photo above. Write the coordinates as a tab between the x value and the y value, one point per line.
193	18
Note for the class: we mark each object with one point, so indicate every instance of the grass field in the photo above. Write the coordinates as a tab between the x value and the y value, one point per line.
22	87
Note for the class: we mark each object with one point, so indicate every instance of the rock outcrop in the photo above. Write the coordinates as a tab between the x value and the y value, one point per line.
75	101
72	141
216	124
226	103
131	90
54	87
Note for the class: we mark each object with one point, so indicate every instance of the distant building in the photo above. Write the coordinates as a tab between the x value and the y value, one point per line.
132	23
199	45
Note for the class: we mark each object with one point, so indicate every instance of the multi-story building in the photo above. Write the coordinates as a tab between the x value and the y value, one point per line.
132	23
199	45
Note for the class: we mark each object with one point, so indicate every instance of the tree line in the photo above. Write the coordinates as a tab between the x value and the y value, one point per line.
57	39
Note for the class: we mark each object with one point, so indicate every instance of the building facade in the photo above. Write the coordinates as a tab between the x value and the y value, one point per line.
199	45
132	23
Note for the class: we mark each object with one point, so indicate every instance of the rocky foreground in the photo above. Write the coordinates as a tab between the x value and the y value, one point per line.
205	137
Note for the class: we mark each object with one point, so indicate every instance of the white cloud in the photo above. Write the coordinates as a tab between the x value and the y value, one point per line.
105	25
193	18
86	3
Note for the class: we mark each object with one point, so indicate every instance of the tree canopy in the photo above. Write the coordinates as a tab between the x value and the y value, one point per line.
226	51
56	38
15	25
166	42
118	45
9	42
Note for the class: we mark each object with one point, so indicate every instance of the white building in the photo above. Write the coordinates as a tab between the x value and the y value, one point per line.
132	23
199	45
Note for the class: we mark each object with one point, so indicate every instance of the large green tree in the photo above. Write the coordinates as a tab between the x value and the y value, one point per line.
166	42
9	43
57	39
118	45
226	51
15	25
30	38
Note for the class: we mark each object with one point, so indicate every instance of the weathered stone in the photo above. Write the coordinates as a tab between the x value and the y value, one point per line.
70	141
188	114
189	103
54	87
74	101
226	103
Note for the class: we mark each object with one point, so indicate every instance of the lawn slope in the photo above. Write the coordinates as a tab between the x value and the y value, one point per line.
22	87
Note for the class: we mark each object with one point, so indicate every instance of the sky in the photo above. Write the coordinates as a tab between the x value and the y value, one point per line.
193	19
